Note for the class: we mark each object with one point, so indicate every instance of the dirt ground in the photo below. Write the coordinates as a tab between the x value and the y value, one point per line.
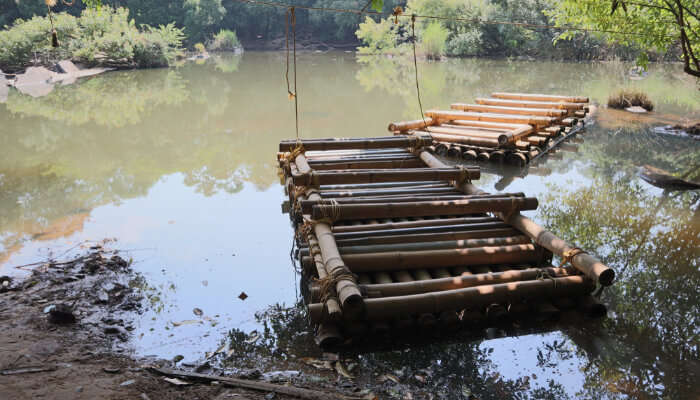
64	330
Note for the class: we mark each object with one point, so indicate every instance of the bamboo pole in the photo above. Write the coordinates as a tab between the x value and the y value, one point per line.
429	229
408	125
347	290
477	141
502	137
341	212
317	178
388	261
540	97
529	103
489	117
488	125
327	194
345	165
406	184
471	297
412	224
332	306
541	112
584	262
354	143
437	245
427	237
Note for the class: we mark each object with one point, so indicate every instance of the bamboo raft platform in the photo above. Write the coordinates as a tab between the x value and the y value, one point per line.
509	128
391	239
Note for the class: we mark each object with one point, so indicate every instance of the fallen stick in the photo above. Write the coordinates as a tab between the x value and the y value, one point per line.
262	386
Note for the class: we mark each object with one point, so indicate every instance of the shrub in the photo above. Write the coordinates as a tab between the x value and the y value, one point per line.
377	37
624	98
102	37
199	48
225	40
433	40
464	44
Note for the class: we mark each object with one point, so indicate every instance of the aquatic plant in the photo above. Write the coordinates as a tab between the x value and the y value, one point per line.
624	98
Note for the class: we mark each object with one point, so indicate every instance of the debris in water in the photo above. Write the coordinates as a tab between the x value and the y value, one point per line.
387	377
198	312
187	322
178	358
664	180
242	296
340	368
127	383
111	370
26	370
177	382
60	314
253	337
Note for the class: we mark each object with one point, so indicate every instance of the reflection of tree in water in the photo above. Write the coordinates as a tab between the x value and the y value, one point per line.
650	348
464	79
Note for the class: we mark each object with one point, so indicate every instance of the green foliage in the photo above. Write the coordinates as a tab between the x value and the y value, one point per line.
433	40
225	40
464	44
102	36
658	24
202	17
199	48
378	37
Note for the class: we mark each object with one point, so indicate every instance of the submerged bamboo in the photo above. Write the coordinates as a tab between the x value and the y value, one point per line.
470	297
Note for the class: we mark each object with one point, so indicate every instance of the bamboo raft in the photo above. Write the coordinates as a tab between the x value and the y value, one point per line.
393	240
510	128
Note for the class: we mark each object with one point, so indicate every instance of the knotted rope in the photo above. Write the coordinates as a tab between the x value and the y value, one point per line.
569	255
327	286
542	275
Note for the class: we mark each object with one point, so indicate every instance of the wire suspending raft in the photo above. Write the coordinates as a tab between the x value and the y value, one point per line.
511	128
391	239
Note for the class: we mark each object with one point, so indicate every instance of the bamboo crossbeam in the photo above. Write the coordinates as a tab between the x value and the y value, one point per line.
542	112
586	263
406	184
540	97
316	178
463	281
529	103
470	226
306	205
368	164
501	137
411	224
358	193
422	208
472	297
389	261
489	117
476	141
408	125
352	143
426	237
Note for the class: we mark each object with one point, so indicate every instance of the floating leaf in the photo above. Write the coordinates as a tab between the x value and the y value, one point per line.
242	296
340	368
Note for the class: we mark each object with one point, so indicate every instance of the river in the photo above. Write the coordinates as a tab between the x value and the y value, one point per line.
178	166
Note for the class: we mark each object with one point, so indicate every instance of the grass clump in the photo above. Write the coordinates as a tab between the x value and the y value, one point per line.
225	40
625	98
99	37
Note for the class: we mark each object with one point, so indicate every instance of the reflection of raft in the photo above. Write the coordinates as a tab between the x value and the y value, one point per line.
510	128
390	237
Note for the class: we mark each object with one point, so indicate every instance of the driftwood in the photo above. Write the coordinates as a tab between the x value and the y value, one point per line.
254	385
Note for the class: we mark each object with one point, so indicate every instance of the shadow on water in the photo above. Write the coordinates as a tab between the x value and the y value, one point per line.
181	161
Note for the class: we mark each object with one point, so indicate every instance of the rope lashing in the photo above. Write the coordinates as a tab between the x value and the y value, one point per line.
328	284
463	175
330	212
569	255
544	275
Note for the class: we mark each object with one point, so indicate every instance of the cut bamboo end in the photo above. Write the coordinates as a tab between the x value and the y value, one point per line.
408	125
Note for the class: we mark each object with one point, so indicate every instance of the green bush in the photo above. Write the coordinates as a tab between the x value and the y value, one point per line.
378	37
464	44
103	37
225	40
433	41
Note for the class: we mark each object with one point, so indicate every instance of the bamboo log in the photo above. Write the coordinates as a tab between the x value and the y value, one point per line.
331	304
408	125
569	121
315	179
580	114
523	145
539	97
477	141
584	262
346	288
469	155
488	125
537	140
412	224
388	192
503	137
489	117
483	156
422	208
471	297
427	237
436	245
454	152
429	229
328	335
371	164
529	103
522	253
407	184
354	143
591	307
323	158
542	112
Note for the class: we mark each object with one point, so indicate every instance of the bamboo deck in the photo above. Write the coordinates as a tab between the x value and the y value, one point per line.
393	240
507	128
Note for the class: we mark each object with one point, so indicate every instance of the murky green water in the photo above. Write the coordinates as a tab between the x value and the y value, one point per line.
179	166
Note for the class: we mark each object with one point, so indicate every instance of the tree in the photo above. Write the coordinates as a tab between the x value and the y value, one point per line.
202	17
657	24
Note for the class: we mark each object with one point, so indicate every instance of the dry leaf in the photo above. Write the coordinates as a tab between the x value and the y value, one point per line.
242	296
342	370
177	382
388	377
198	312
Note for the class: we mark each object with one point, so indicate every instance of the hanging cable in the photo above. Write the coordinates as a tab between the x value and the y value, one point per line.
291	18
414	39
